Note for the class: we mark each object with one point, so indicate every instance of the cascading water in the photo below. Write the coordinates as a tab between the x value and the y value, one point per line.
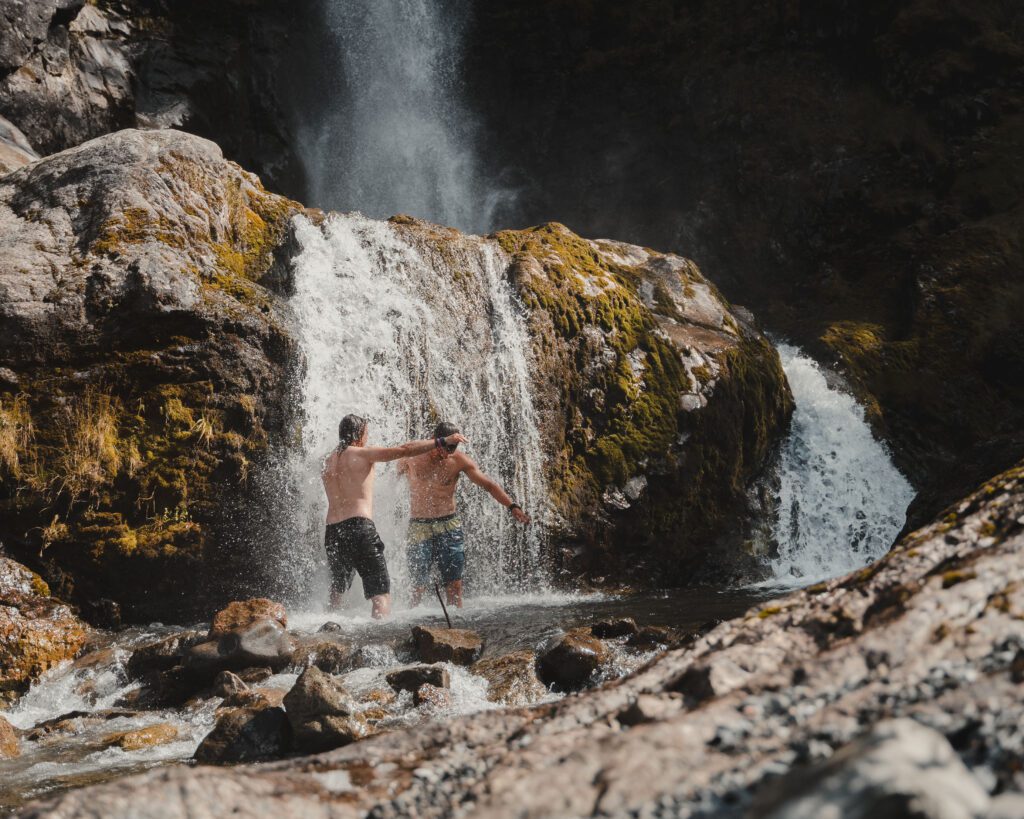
838	501
405	335
389	131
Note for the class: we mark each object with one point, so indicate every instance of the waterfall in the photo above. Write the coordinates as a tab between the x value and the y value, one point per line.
836	500
389	131
396	330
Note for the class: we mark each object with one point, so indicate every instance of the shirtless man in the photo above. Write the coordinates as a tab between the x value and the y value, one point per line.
352	541
435	531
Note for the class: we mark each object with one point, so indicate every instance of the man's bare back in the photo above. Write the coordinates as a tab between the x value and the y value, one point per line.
348	477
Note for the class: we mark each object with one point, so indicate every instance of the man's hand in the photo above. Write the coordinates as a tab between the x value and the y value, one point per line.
520	515
457	438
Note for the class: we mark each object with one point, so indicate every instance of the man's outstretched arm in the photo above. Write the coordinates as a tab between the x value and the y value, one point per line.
474	473
377	454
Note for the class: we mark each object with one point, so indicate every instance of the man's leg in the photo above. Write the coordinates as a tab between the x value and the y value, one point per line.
418	557
373	570
339	560
452	562
380	606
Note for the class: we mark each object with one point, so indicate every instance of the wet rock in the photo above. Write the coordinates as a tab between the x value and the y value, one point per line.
246	735
901	768
569	662
255	698
329	656
37	631
10	746
511	678
412	677
241	614
159	734
648	637
73	722
432	697
252	676
447	645
227	684
162	654
321	713
608	629
330	627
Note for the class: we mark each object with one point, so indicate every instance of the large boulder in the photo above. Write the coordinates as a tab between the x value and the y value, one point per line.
321	713
37	631
243	613
511	678
263	643
146	366
659	403
10	745
447	645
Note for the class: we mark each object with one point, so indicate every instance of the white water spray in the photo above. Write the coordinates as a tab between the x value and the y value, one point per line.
839	500
392	133
397	330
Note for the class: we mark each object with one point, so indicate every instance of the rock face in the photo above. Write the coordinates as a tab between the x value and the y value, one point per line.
147	365
321	713
849	172
10	746
37	631
570	662
15	149
71	71
447	645
659	403
931	634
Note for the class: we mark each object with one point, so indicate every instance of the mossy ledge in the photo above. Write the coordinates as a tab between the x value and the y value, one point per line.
147	368
659	403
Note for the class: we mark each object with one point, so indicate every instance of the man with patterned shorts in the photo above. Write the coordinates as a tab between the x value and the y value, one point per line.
435	530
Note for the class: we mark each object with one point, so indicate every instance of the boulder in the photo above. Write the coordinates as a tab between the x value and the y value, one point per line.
261	643
447	645
245	735
511	678
649	637
900	768
165	357
159	734
321	713
330	627
10	746
569	662
226	684
241	614
412	677
255	698
610	629
329	656
37	631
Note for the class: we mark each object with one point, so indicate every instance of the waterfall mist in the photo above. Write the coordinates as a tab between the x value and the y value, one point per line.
398	332
382	121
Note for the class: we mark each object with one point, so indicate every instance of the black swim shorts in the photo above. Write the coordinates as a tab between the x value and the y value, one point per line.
353	545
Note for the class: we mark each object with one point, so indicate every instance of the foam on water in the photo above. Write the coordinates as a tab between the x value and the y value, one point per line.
402	334
838	501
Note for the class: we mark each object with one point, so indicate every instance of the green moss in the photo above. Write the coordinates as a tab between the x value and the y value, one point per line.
768	611
952	578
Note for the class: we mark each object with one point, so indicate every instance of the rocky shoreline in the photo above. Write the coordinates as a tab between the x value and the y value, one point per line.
869	681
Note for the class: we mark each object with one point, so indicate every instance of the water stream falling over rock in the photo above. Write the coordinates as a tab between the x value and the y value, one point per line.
404	335
391	132
837	500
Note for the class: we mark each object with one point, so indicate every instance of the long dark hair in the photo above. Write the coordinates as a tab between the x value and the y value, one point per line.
350	430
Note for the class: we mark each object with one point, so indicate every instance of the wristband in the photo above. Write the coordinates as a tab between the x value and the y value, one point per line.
439	442
512	506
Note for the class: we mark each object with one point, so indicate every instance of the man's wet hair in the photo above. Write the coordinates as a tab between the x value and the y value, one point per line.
444	429
350	430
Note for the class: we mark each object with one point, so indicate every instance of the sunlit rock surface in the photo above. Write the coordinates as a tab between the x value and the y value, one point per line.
931	633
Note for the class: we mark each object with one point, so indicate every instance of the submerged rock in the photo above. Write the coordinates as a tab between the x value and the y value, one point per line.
245	735
321	713
608	629
135	740
570	662
447	645
412	677
432	697
37	631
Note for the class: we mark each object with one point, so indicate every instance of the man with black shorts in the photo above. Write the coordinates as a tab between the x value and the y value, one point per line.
435	530
352	542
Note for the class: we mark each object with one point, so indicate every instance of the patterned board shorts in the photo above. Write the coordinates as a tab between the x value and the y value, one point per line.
435	541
